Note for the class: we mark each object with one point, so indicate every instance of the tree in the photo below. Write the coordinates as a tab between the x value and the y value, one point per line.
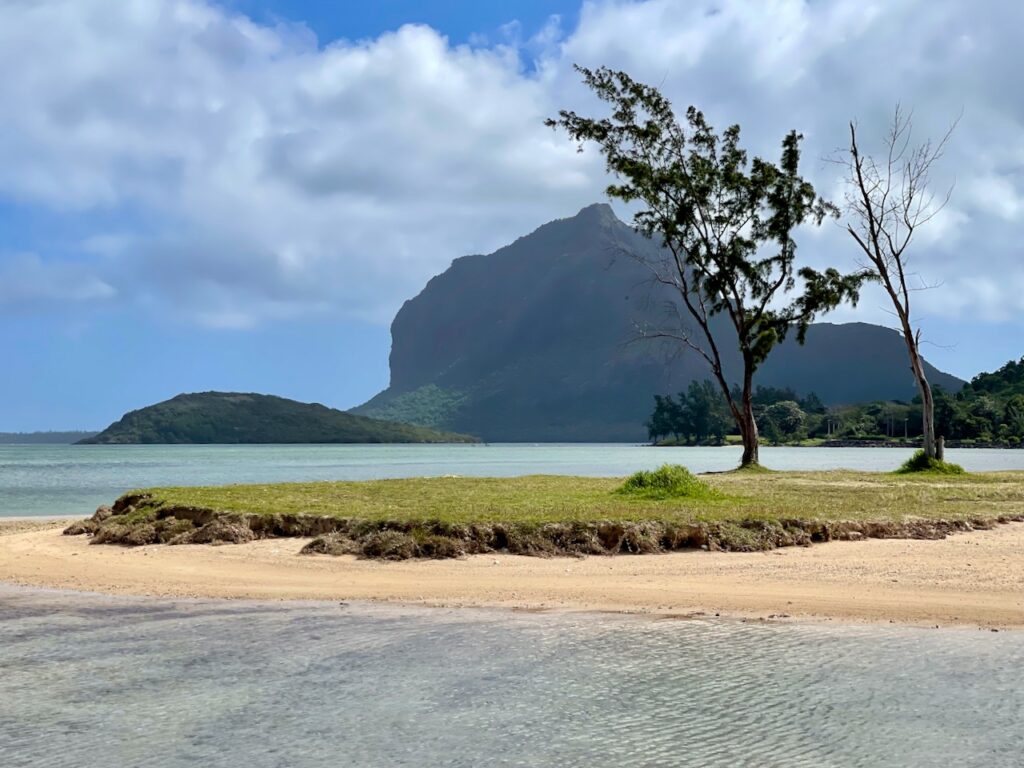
1013	414
812	403
660	423
944	411
706	414
787	416
887	202
726	224
770	395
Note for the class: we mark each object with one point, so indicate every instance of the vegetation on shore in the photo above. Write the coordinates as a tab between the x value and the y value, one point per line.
561	515
987	411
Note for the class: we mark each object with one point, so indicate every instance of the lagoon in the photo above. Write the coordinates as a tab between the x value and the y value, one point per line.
90	680
41	480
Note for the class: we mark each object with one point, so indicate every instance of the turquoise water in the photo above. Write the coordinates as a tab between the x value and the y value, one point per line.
97	681
74	480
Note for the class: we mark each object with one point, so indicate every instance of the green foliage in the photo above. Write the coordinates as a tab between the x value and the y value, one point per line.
766	396
785	419
427	406
668	481
701	415
1013	415
726	219
1007	381
990	409
229	418
990	414
705	412
921	463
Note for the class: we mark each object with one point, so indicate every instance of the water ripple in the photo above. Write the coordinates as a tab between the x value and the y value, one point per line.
104	681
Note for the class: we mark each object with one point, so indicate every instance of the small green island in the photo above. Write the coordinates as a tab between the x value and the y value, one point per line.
546	515
233	417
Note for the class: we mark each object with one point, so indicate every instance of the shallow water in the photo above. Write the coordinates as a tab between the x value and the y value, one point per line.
89	680
74	480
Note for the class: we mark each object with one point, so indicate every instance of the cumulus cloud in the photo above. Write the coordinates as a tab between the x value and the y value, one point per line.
261	175
255	173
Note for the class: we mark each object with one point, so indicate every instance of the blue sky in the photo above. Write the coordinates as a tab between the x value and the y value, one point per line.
239	195
461	21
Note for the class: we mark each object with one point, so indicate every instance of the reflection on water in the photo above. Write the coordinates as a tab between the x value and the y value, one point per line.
73	480
89	681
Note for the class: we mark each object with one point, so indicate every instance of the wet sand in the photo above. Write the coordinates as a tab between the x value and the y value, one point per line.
974	579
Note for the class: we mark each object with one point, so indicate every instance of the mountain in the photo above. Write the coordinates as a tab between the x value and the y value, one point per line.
231	417
537	342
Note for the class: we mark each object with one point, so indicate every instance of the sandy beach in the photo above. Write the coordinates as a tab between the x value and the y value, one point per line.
974	579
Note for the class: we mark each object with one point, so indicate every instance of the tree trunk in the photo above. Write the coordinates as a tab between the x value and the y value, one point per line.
748	424
929	443
927	418
748	430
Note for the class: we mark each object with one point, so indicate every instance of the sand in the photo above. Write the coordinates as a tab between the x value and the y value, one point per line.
974	579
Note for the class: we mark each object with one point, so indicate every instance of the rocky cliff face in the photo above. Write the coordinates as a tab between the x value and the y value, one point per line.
537	341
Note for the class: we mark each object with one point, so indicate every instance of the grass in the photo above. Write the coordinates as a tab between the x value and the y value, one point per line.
670	481
836	495
663	510
921	463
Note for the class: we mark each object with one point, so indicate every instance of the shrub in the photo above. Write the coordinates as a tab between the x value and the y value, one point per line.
437	546
920	462
389	545
668	481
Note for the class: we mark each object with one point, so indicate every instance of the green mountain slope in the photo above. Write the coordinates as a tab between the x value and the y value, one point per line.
231	417
1005	382
537	342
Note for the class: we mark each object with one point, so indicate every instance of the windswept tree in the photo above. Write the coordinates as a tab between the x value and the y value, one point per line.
727	226
888	201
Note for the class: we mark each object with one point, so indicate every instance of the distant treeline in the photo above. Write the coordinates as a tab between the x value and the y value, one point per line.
42	438
988	410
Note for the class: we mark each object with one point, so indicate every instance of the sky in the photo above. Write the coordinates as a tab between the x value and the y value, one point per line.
239	195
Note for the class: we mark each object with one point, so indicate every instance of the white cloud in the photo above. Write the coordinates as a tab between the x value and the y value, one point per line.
27	281
998	195
785	64
252	174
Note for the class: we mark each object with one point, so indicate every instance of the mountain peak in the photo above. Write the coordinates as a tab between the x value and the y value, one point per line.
597	213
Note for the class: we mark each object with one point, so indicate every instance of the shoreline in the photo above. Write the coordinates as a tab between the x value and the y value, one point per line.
973	579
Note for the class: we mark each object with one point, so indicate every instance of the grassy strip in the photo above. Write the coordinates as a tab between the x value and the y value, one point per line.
542	514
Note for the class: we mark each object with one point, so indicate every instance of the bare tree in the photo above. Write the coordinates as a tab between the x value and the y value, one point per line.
888	200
